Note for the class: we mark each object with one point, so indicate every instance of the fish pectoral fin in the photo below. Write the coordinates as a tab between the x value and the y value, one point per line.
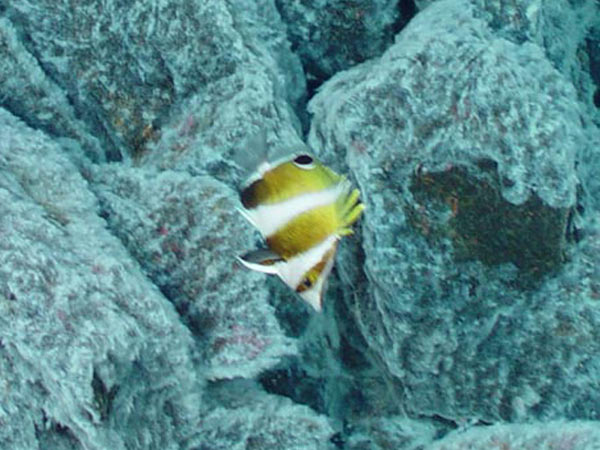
261	260
351	209
345	231
354	214
350	201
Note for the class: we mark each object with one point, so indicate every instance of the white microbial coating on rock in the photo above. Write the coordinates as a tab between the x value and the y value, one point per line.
125	321
178	227
78	317
556	435
449	91
455	336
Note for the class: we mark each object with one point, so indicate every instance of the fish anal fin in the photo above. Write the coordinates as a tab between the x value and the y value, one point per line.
261	260
314	298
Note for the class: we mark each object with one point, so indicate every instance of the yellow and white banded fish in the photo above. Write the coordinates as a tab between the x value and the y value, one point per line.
302	208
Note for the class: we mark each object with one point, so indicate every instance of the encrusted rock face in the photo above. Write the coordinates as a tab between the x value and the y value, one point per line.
468	96
114	278
468	294
37	99
333	35
575	435
188	253
464	146
76	327
469	211
126	67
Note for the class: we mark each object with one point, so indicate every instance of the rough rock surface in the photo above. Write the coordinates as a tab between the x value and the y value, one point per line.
566	30
171	51
333	35
130	368
92	355
241	416
555	435
380	434
464	146
185	232
468	296
31	95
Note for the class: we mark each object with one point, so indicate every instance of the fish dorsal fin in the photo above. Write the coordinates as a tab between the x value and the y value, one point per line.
251	153
261	260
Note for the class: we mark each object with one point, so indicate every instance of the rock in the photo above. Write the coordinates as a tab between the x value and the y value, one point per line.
334	35
472	124
565	29
92	355
185	231
28	93
422	4
128	67
468	295
559	435
243	417
390	432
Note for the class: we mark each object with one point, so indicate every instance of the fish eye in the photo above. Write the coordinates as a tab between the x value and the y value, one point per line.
306	282
304	161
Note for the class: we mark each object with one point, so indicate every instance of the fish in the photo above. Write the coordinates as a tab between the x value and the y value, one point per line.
302	209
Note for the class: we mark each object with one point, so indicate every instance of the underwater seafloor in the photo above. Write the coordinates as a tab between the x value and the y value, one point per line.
464	313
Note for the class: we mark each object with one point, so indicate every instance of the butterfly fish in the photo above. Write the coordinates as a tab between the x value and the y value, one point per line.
302	209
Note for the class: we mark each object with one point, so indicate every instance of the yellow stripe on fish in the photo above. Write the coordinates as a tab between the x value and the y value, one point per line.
289	179
302	208
307	229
